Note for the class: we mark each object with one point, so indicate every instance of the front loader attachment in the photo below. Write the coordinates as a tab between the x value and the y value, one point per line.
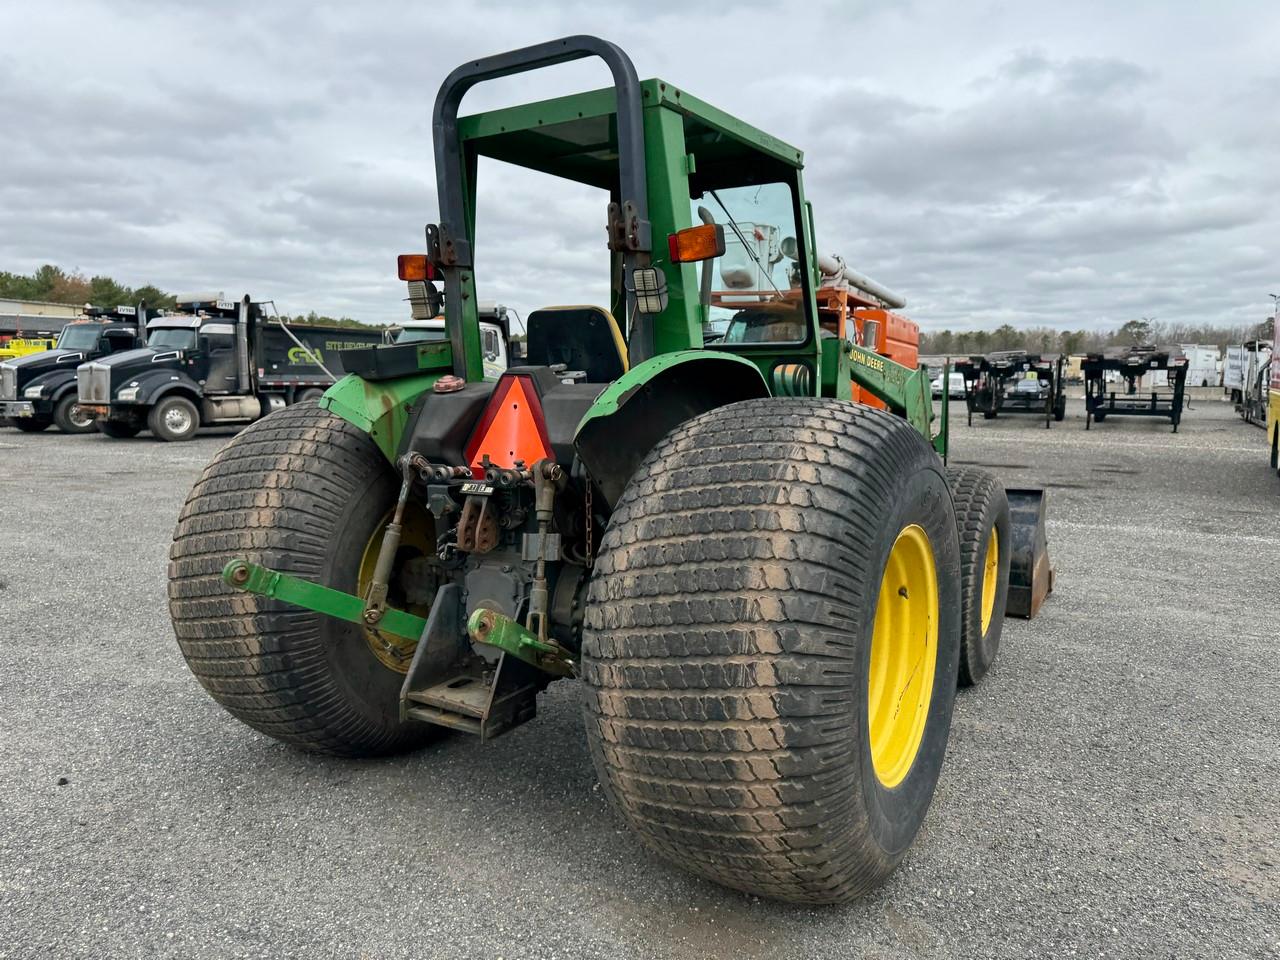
1030	572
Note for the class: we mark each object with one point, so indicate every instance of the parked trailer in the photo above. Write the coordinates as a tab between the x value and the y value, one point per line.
218	362
1255	381
1273	412
1130	364
39	390
1014	381
1202	364
1074	371
1240	360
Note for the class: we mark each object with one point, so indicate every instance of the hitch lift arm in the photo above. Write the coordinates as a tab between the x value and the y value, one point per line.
485	626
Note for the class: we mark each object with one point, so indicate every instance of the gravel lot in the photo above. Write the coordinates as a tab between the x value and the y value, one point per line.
1110	790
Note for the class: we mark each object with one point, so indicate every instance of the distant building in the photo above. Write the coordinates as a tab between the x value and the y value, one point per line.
35	318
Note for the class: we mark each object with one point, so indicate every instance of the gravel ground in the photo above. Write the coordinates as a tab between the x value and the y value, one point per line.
1110	790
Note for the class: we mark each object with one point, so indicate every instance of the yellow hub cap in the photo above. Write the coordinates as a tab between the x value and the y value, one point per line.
990	574
904	655
417	539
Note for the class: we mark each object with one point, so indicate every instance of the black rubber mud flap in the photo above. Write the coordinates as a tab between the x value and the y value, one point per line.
1030	573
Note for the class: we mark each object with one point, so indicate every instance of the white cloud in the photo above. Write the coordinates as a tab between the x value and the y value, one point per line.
1032	163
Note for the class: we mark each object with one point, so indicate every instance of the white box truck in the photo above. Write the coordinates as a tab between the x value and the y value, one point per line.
1202	364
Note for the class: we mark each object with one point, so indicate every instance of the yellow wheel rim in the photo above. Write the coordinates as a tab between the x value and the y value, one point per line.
990	574
904	655
417	539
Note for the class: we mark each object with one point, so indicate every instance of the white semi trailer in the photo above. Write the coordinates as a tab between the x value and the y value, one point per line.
1202	364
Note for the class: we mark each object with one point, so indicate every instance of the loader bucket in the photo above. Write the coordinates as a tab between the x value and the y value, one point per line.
1030	573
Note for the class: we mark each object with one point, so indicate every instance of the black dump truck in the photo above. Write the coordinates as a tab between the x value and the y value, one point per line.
40	389
214	362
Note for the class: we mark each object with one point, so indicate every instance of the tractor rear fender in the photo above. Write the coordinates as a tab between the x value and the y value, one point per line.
379	407
649	401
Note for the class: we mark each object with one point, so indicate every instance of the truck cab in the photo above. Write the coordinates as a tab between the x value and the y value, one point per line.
39	390
495	336
216	361
190	360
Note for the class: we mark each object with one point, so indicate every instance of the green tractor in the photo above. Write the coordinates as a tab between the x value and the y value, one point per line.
768	590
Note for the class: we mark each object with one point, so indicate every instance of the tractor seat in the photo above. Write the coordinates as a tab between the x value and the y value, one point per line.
582	338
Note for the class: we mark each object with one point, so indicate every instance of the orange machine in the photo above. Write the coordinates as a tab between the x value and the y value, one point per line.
897	337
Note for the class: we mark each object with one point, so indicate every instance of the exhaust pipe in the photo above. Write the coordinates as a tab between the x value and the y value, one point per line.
834	268
242	347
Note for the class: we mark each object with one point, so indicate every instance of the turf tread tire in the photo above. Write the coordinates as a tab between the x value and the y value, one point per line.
980	504
722	656
281	493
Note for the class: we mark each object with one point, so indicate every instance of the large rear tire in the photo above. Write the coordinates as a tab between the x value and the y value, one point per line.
982	515
771	644
304	492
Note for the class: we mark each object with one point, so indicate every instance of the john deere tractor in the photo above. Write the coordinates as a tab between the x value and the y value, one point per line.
767	590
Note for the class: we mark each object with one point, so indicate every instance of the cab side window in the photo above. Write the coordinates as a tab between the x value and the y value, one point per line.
757	292
220	343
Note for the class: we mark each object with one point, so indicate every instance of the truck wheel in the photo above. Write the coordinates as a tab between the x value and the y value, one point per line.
31	424
986	550
307	493
988	414
70	418
118	429
174	418
1060	411
771	644
314	393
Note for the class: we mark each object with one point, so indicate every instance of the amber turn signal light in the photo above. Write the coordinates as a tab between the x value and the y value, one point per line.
415	266
696	243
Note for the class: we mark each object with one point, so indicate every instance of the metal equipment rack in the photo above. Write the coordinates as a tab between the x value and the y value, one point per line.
1131	363
987	382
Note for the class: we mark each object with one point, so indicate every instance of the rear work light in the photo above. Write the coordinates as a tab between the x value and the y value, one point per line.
512	427
415	266
696	243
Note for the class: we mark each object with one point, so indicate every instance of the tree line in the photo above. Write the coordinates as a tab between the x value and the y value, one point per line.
56	285
1051	340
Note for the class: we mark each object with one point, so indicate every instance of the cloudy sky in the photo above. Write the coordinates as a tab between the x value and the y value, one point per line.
1072	164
